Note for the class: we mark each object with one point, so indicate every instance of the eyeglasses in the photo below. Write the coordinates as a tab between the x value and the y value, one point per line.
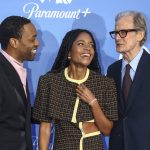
122	33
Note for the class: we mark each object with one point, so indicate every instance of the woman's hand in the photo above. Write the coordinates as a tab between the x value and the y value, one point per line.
85	94
102	122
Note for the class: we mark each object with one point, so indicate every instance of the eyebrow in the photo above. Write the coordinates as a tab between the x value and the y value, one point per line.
84	41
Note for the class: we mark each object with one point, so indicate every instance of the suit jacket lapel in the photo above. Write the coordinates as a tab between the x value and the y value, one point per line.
138	79
13	77
119	79
114	72
27	94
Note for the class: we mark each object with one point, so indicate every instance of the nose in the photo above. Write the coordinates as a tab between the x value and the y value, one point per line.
36	42
88	46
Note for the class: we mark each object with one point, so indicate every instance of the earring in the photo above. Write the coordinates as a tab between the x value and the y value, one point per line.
69	57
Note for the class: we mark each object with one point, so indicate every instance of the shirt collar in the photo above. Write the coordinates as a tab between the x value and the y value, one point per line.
11	59
134	62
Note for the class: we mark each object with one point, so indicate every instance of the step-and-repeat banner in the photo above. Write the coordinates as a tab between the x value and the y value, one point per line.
53	18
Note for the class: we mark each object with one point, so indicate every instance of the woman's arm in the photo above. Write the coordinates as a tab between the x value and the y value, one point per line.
102	122
44	135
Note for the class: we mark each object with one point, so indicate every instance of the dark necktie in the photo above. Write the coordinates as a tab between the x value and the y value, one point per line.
127	81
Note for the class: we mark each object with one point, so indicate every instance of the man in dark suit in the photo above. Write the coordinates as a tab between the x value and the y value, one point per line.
18	43
132	130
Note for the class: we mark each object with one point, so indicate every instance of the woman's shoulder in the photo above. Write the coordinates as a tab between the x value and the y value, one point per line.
99	77
51	75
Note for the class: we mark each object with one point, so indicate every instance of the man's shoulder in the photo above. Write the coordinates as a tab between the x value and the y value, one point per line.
2	68
116	64
146	54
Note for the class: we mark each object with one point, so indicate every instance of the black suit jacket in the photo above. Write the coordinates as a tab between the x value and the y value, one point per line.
132	130
15	127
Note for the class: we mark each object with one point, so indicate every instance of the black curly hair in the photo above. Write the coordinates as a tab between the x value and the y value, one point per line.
62	61
11	27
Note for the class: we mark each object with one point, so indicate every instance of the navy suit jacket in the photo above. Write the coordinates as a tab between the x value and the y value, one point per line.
132	130
15	127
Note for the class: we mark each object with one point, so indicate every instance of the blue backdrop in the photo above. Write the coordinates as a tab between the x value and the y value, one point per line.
53	18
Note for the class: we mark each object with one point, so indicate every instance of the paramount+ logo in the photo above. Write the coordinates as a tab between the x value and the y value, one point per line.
58	1
40	9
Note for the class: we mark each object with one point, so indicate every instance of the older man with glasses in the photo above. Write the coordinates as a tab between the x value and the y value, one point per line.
132	77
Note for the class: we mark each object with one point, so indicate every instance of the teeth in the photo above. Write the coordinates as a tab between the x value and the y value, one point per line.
34	51
85	55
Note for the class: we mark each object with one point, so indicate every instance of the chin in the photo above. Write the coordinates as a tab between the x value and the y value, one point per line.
120	50
86	65
30	59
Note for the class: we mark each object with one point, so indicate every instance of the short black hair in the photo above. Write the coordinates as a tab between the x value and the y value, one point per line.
11	27
61	61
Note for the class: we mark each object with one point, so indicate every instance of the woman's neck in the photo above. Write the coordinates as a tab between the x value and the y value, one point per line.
77	73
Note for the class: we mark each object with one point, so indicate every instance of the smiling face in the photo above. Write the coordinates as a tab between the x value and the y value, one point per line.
82	51
26	46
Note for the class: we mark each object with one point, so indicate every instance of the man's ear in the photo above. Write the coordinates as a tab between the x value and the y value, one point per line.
140	35
13	42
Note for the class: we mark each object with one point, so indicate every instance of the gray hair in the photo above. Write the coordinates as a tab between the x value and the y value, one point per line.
139	21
